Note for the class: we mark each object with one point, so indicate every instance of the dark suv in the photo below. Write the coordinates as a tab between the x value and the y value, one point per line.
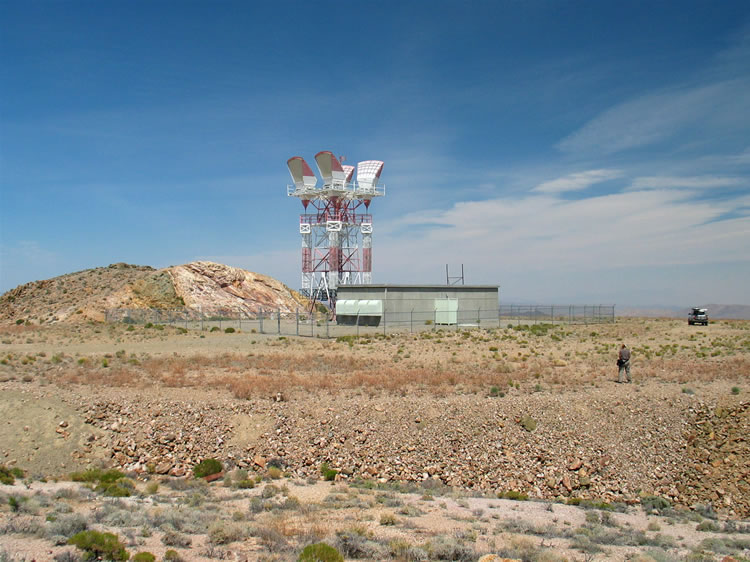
698	316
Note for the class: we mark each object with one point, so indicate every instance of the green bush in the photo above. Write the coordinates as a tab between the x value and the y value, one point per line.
513	495
144	557
113	490
172	556
528	423
320	552
101	546
214	329
207	467
655	503
97	475
328	472
9	475
229	330
735	390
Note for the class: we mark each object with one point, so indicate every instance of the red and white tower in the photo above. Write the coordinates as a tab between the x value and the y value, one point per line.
336	227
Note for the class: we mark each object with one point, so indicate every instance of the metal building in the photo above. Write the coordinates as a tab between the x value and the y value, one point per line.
336	227
438	304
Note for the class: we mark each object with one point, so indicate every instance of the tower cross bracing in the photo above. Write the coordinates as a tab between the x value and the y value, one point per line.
336	226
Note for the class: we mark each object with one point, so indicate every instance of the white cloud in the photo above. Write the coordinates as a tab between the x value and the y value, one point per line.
694	182
651	118
577	181
544	234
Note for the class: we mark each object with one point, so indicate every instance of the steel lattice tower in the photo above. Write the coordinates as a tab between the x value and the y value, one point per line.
336	227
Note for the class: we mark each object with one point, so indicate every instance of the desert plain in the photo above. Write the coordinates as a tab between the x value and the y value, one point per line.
444	444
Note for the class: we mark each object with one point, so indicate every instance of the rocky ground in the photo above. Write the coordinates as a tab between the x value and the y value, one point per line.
511	411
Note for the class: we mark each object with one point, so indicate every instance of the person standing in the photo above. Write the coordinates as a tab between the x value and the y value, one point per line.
623	363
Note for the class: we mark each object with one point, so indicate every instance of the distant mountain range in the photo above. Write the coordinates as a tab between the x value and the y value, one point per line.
726	311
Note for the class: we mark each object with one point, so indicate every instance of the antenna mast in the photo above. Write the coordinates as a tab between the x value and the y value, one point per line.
335	226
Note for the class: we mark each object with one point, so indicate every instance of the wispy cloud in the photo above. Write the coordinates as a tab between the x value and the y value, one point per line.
546	233
577	181
647	119
695	182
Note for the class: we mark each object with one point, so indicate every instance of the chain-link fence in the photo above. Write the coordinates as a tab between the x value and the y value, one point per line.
320	324
556	314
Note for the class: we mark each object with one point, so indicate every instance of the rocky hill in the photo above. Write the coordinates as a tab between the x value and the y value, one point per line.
87	295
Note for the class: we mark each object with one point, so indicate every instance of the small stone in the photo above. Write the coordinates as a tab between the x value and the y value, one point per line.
566	483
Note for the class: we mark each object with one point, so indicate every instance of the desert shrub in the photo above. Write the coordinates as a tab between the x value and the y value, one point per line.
513	495
102	546
449	548
173	538
144	557
223	532
152	488
14	504
207	467
65	526
274	472
353	543
655	503
93	475
23	525
65	556
328	472
388	519
320	552
735	390
9	475
214	329
172	556
113	490
495	392
708	526
528	423
245	484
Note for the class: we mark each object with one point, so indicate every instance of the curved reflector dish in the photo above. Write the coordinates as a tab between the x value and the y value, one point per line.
349	171
302	174
330	168
368	173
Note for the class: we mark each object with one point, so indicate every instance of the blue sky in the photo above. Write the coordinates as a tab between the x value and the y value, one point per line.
571	152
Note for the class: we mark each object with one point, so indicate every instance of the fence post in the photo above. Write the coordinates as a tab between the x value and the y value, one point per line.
357	323
260	317
278	319
384	316
328	333
434	320
297	318
411	321
552	314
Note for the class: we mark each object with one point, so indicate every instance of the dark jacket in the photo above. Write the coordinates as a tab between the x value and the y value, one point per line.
624	355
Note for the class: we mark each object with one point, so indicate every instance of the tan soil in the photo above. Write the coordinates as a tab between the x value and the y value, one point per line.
405	408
